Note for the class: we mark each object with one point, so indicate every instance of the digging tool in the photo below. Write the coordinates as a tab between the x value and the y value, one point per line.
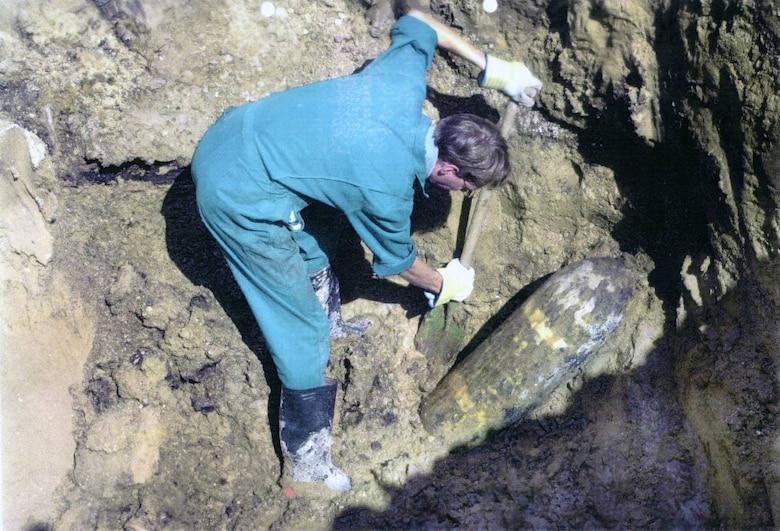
442	330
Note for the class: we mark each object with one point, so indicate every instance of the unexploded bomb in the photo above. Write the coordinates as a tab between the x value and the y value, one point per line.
539	347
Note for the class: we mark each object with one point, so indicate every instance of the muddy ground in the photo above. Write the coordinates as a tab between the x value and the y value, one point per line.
138	392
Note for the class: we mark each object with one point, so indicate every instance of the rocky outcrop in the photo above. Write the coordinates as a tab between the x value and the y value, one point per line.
47	334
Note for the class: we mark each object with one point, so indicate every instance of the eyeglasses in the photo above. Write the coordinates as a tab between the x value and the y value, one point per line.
468	192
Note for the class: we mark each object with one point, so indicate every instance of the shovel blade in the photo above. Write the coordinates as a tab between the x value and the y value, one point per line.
440	337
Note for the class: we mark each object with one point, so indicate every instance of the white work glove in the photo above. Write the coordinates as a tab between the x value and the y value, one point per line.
457	284
513	79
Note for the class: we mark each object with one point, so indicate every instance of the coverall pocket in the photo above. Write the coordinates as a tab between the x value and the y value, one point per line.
274	257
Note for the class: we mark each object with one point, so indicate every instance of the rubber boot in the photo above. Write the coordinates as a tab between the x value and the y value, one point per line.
326	287
305	419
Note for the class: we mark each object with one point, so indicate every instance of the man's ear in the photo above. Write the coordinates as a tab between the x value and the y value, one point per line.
447	167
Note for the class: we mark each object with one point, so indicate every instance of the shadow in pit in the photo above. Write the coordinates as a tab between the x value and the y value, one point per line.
197	255
556	472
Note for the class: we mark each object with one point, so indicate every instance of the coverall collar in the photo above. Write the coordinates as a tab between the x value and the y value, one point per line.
431	156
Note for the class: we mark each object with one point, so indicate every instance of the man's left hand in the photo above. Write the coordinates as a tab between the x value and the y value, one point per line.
512	78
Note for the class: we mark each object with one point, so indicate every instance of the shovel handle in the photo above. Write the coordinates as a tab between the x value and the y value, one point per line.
483	196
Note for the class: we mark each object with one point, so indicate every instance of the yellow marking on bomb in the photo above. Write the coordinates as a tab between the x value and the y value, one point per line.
478	418
538	321
522	344
463	398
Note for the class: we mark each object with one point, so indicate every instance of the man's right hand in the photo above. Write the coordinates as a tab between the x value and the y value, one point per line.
457	284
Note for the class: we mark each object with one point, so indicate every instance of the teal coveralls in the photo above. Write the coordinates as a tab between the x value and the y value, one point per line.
356	143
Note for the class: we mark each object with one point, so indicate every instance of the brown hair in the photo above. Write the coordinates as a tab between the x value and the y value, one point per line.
476	147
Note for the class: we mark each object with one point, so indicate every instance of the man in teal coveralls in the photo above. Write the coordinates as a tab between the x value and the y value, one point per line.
356	143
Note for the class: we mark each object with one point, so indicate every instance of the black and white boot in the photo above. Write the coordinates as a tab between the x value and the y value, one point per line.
305	428
326	287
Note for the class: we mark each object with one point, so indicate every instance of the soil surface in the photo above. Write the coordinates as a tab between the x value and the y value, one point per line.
177	414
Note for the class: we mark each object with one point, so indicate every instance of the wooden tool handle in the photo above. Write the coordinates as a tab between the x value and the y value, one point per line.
483	196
